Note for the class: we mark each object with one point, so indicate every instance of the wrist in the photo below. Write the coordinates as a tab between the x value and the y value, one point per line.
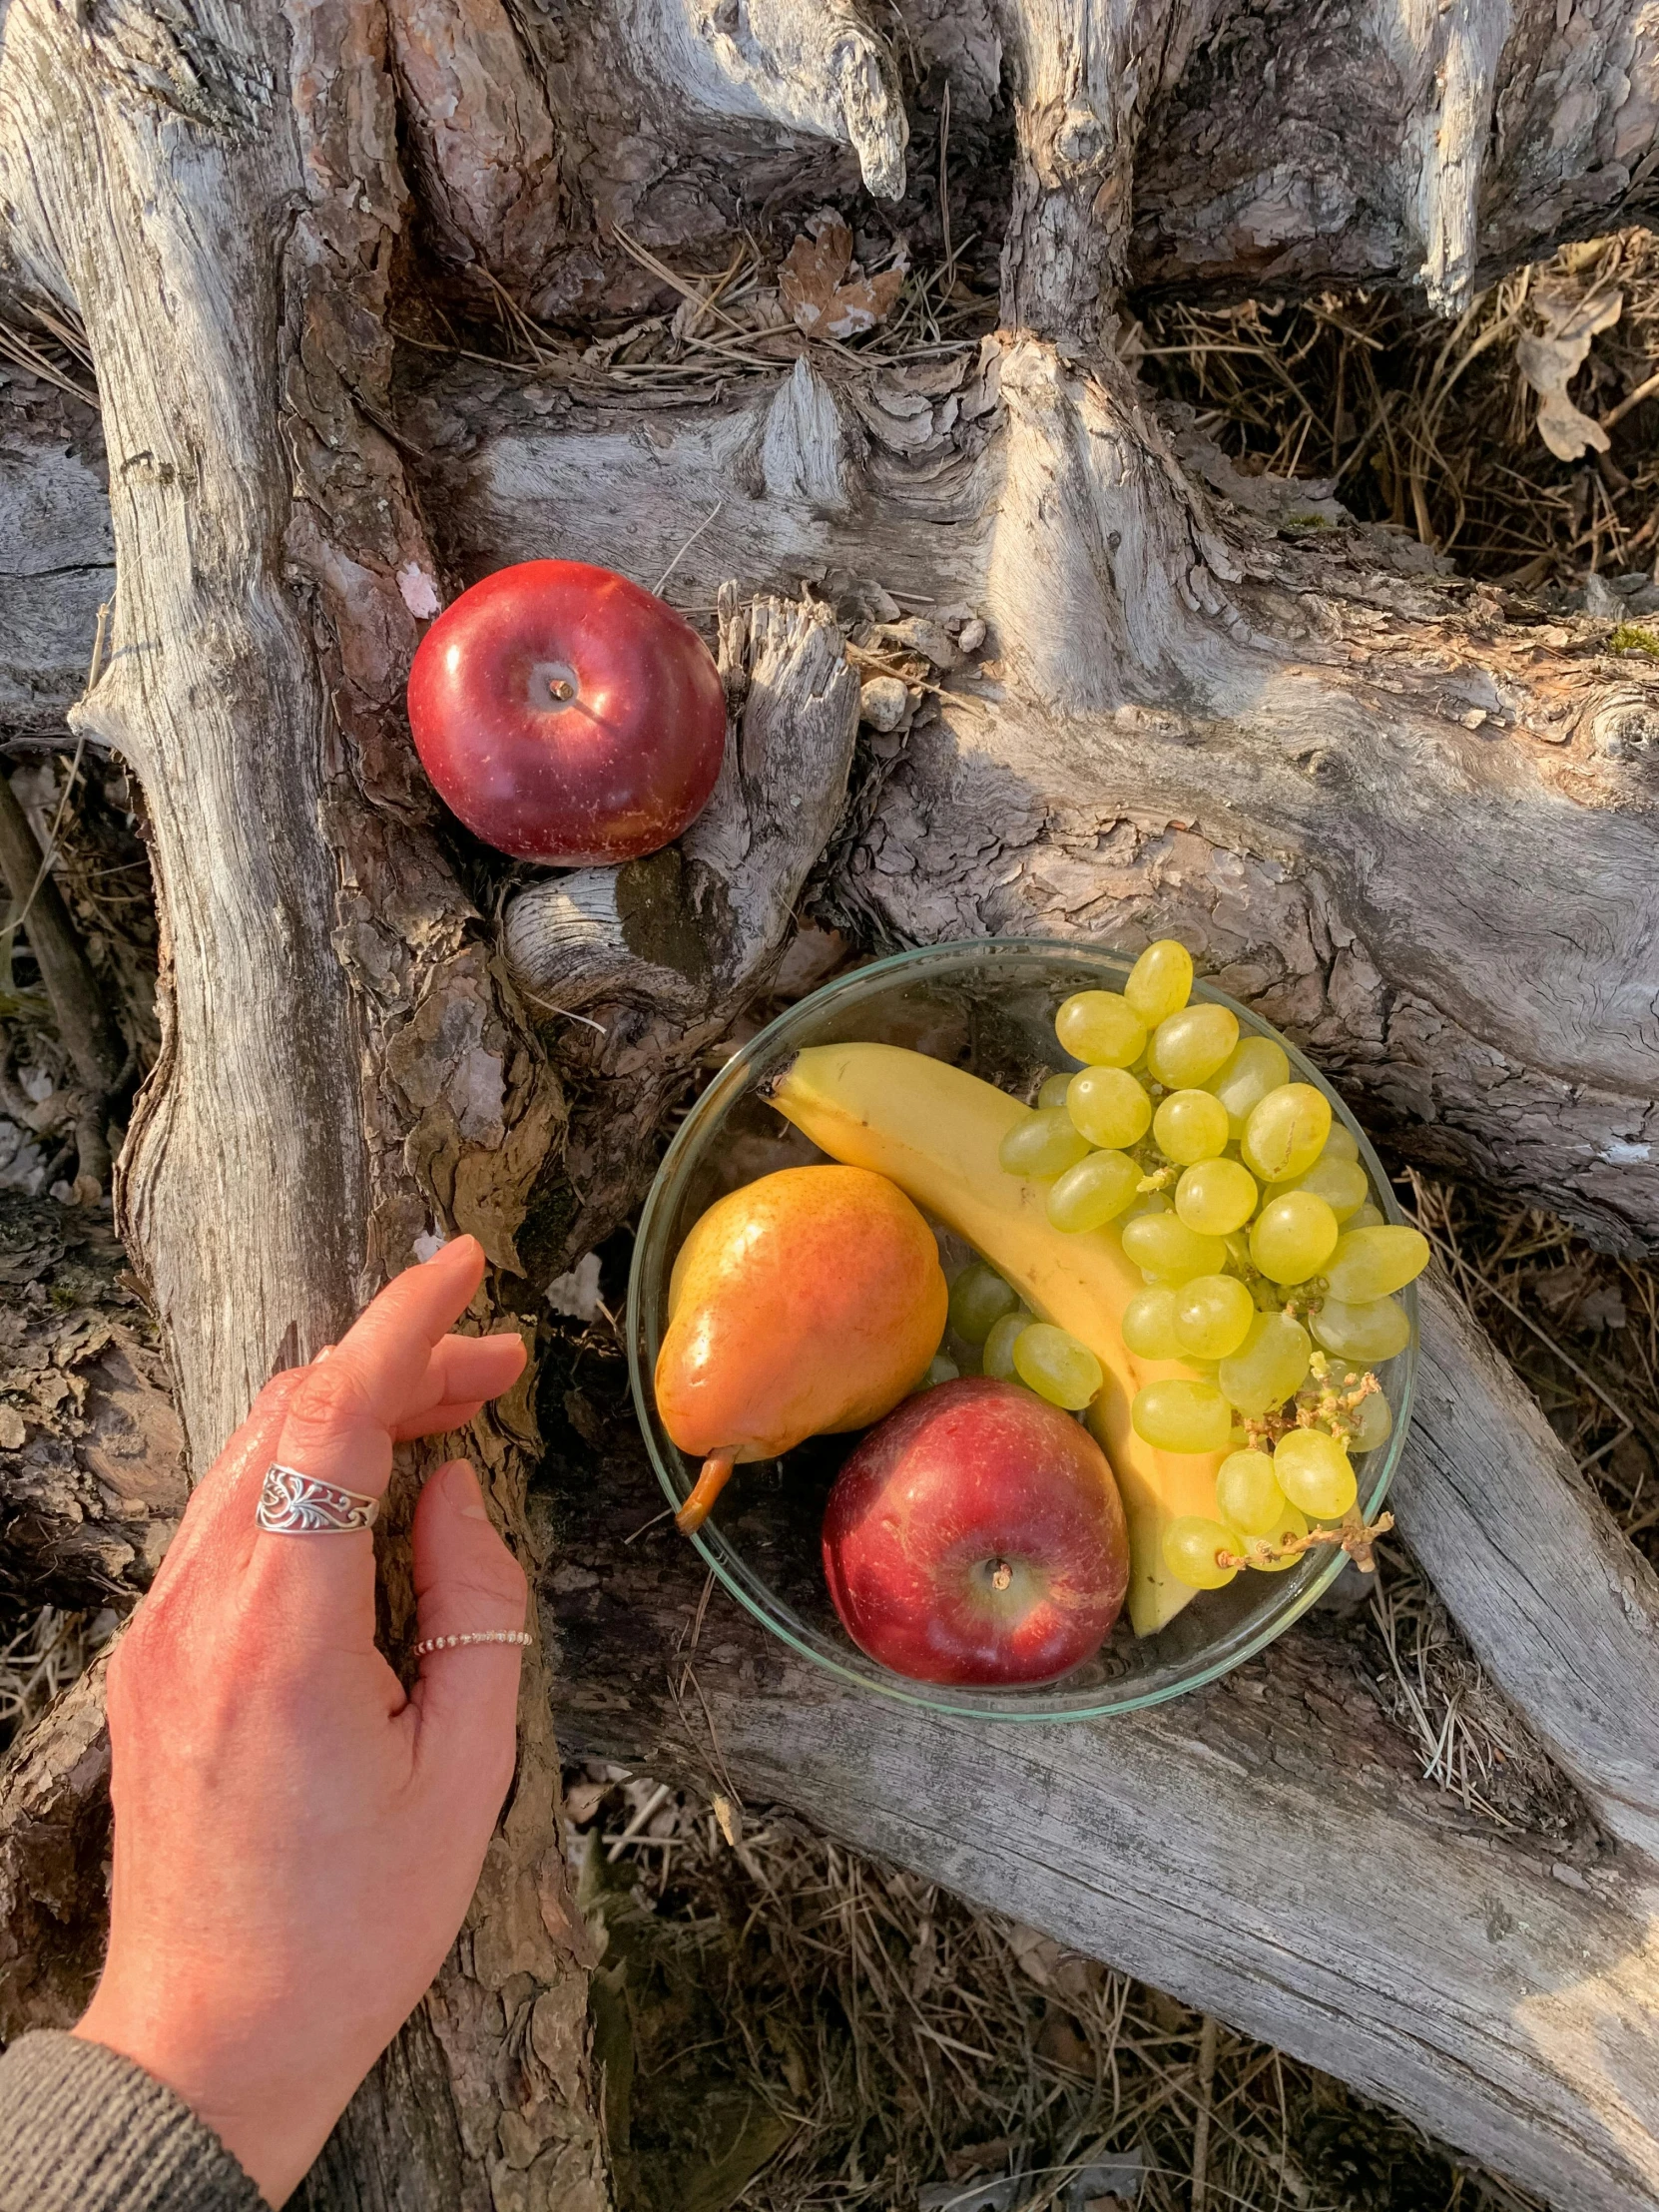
272	2138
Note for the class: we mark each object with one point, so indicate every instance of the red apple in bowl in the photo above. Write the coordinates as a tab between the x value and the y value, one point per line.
568	715
976	1536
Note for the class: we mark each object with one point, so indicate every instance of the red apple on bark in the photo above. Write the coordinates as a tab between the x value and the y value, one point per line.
977	1536
568	715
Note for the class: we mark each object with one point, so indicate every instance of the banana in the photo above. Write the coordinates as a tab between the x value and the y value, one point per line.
936	1130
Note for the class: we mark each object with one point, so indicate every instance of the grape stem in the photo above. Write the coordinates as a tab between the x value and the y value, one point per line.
1354	1536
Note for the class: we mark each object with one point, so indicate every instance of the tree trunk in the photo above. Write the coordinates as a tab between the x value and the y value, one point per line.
1372	805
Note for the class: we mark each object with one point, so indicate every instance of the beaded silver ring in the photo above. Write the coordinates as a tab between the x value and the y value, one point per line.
473	1636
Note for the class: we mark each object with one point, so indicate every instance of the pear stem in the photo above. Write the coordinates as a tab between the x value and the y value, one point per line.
707	1488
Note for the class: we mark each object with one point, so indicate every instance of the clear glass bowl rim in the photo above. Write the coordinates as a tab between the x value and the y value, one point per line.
661	1209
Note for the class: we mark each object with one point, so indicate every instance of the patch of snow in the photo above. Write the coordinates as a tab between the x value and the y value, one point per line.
577	1294
421	594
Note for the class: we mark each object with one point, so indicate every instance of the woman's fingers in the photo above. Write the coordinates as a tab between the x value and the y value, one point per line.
471	1367
341	1421
466	1581
220	1509
464	1374
378	1383
454	1414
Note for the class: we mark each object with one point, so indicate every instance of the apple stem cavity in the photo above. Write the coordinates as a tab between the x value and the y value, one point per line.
552	684
1001	1575
708	1487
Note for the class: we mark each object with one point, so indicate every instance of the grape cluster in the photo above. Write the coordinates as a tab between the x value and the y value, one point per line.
1270	1272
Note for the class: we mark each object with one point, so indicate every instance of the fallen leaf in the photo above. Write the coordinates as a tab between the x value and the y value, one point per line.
824	294
1603	1309
1549	359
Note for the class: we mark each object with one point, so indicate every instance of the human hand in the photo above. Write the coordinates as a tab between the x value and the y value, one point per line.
296	1840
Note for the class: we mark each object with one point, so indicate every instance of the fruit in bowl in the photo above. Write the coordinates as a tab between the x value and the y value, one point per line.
805	1303
1181	1214
1175	1252
976	1536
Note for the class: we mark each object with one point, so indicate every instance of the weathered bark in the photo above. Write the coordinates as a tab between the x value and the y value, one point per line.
1369	828
1368	144
338	1070
1364	796
92	1475
57	558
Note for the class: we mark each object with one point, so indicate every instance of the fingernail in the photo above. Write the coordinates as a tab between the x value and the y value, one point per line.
463	1489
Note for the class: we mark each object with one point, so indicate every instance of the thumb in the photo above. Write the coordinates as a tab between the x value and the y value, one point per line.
466	1581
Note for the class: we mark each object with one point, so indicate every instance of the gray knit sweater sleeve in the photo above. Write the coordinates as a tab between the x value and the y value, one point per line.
84	2130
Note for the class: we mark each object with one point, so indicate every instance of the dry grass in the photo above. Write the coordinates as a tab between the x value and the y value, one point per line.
1431	425
716	324
45	1652
54	350
1581	1326
788	2027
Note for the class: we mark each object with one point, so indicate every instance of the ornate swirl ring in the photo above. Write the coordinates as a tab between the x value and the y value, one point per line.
296	1504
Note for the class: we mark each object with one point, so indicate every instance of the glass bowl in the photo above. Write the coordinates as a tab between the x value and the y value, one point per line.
987	1005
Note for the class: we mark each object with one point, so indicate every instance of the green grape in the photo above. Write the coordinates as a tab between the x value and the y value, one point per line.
1374	1422
1055	1087
1292	1237
1190	1126
1341	1183
1369	1216
1369	1333
1162	1246
1373	1263
1313	1472
1341	1144
1213	1313
1052	1363
1094	1192
1148	1326
1268	1367
939	1369
1285	1133
1191	1045
997	1358
1181	1416
1254	1066
1193	1550
1149	1202
1102	1028
1291	1523
1108	1107
1160	981
1247	1492
1216	1196
1046	1143
979	1296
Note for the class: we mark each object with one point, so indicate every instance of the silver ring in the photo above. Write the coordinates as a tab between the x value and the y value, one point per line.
296	1504
472	1636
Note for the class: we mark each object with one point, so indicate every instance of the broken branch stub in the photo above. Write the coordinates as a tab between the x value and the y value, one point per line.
691	930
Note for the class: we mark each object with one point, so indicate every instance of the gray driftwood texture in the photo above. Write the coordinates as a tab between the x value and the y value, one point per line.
1377	808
